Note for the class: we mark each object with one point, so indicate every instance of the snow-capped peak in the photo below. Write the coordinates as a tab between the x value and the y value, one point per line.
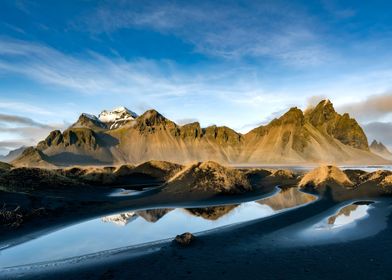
117	116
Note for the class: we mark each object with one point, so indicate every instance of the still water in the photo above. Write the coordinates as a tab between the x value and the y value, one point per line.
138	227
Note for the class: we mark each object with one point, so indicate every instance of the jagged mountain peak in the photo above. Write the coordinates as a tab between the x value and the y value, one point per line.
380	149
106	119
378	145
293	115
88	120
324	111
152	117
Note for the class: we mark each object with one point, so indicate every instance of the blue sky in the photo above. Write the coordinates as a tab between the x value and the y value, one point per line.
234	63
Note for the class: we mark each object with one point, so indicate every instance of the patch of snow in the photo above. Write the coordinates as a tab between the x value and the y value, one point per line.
120	219
117	116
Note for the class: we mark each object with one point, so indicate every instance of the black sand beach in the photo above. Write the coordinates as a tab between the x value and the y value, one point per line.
251	249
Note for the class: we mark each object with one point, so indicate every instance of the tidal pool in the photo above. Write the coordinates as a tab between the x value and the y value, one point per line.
143	226
353	221
127	229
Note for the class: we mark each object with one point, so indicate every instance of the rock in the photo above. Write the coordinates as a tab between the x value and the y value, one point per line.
184	239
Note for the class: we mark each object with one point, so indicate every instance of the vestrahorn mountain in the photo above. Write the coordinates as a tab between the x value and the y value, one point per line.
318	135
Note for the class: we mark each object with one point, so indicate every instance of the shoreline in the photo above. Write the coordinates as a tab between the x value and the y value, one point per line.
226	242
118	205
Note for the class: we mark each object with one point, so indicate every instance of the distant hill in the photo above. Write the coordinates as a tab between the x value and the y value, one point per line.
12	155
379	149
318	135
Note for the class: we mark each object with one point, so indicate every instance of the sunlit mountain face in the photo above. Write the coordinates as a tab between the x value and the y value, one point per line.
241	65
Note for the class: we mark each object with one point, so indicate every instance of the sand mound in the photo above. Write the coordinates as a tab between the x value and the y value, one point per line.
4	166
158	169
30	179
208	177
284	174
124	170
326	175
93	175
356	176
376	176
386	184
124	174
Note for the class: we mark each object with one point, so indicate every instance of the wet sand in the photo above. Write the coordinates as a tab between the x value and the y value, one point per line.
251	249
96	206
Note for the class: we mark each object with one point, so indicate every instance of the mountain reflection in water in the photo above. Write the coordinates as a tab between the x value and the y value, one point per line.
143	226
286	198
349	214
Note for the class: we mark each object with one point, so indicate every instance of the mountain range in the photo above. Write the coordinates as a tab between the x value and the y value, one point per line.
316	135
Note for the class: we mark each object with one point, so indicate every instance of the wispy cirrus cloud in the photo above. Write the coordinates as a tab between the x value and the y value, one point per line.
90	74
95	74
252	29
164	83
24	107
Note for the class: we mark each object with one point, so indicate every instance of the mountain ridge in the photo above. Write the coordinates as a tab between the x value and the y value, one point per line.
319	135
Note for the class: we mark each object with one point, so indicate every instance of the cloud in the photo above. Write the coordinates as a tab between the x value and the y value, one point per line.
24	107
11	144
94	74
144	80
91	74
252	29
371	108
20	131
380	131
312	101
20	120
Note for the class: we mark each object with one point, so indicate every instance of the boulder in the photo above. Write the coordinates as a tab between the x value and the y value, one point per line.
184	239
